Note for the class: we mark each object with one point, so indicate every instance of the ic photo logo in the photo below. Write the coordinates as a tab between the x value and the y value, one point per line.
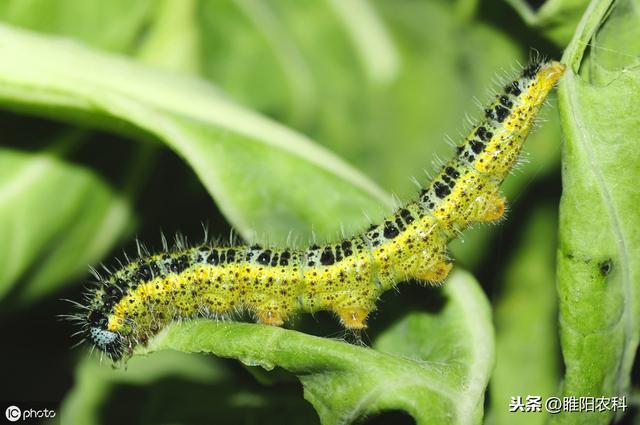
15	414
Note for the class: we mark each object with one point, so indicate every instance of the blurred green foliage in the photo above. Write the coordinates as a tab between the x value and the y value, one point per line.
298	118
526	305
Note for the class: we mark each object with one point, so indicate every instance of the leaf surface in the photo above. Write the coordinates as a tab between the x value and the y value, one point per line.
434	365
56	218
599	251
250	165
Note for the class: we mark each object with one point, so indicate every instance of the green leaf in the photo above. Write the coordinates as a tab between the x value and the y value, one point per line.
384	104
434	365
599	252
173	387
55	219
232	150
94	382
557	19
172	41
112	25
525	318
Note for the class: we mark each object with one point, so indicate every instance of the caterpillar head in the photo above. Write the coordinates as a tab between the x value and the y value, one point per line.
105	340
541	77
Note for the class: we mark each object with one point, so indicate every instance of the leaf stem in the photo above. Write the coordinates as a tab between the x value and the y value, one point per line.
589	24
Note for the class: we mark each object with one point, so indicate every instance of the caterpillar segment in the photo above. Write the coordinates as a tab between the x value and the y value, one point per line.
345	277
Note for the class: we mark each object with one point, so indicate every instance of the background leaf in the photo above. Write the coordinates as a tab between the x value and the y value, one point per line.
433	365
557	19
169	386
50	211
93	381
172	41
91	21
86	217
216	137
525	320
598	268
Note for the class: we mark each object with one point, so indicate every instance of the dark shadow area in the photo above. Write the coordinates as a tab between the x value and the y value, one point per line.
504	242
392	306
395	417
175	400
635	371
322	323
410	297
28	134
37	362
631	415
536	4
502	16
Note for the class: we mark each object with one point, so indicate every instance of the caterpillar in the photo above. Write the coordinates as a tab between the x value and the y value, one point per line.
346	277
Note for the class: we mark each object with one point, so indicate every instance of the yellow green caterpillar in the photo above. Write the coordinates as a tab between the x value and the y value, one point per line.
346	277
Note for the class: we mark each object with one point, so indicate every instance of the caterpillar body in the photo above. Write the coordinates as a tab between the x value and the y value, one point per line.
346	277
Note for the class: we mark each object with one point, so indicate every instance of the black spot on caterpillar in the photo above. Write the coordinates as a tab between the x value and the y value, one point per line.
134	302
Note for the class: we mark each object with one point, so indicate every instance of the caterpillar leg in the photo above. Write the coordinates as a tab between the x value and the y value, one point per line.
353	307
430	266
353	317
435	273
494	208
271	312
270	317
489	207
